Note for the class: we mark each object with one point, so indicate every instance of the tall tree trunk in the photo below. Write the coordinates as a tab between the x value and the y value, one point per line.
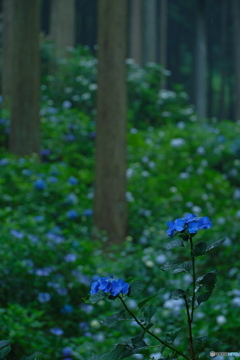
7	57
62	25
201	61
25	87
236	34
135	46
163	16
149	31
222	102
110	211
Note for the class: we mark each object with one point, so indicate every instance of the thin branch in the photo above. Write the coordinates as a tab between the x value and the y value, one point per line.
149	332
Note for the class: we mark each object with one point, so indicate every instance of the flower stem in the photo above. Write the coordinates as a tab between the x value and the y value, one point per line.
190	316
194	279
149	332
189	329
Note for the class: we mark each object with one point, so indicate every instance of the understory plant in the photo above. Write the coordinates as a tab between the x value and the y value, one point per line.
169	346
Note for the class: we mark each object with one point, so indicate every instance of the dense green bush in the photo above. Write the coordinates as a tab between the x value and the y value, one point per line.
48	258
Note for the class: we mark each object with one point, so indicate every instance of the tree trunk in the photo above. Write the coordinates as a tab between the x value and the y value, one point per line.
236	34
110	179
149	31
201	61
7	66
222	102
135	45
163	38
25	87
62	25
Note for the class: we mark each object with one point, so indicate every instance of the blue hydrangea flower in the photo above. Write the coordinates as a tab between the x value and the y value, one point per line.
72	180
66	351
189	218
204	223
52	179
62	291
70	258
110	285
56	331
16	234
40	184
44	297
72	214
67	309
190	223
72	199
179	224
193	227
88	212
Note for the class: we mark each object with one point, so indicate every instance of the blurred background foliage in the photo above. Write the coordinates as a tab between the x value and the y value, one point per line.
176	163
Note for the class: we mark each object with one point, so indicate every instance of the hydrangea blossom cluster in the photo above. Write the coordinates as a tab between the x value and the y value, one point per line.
190	222
110	285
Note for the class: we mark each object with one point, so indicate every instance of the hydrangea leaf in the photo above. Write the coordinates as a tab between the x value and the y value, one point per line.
216	243
199	249
173	244
115	354
177	294
186	266
112	319
93	299
148	312
136	287
4	343
208	279
171	335
36	356
204	297
94	357
172	264
145	301
4	351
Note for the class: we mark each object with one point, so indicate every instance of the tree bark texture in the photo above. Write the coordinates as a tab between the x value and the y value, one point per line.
149	31
222	102
6	52
163	22
236	34
25	87
62	25
201	61
110	210
136	31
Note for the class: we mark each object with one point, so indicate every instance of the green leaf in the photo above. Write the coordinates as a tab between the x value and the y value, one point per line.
4	351
208	279
199	249
145	301
136	287
173	244
171	336
186	266
134	346
204	297
112	319
93	299
172	264
115	354
148	312
216	243
94	357
4	343
177	294
36	356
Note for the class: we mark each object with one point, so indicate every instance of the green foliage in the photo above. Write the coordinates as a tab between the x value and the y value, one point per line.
179	166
